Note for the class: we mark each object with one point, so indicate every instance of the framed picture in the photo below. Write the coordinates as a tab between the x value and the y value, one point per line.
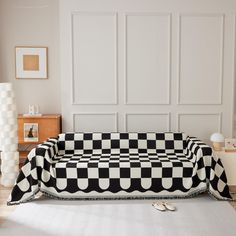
230	145
31	62
31	133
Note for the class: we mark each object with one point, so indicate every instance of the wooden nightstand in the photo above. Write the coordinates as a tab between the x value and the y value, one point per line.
228	159
43	127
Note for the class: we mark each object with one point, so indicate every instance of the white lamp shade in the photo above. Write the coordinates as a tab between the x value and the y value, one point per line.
217	137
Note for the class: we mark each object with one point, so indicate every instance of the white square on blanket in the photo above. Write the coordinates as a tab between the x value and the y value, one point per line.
142	144
135	172
178	144
160	144
177	172
88	144
124	143
93	173
114	173
71	173
70	145
156	172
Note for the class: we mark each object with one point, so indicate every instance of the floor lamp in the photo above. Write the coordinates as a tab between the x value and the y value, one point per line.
8	135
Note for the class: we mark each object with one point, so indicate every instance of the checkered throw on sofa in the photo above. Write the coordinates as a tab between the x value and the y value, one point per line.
120	165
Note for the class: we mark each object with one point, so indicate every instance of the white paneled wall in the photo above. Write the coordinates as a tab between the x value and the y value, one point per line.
94	57
147	122
147	58
200	125
148	65
95	122
201	58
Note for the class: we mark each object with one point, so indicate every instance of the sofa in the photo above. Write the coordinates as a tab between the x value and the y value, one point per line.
121	166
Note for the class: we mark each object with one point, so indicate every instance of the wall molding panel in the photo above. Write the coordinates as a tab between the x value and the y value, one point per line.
208	77
105	122
148	67
191	122
149	124
146	45
80	80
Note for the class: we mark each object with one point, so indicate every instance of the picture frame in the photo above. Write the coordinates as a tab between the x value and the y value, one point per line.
31	62
31	133
230	145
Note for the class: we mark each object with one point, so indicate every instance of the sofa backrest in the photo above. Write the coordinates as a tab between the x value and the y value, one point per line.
69	143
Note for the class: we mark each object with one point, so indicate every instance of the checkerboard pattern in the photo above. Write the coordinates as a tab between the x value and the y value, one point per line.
121	164
107	143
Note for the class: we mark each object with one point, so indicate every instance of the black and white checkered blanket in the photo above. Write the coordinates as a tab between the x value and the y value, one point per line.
120	165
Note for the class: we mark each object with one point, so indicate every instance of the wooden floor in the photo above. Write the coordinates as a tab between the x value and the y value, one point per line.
6	210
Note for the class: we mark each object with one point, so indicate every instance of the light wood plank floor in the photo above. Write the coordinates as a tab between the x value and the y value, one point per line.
6	210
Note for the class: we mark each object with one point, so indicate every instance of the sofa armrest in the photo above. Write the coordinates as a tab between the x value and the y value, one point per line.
195	149
36	168
209	168
47	149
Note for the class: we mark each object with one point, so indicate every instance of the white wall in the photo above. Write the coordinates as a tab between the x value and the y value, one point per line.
127	65
31	23
152	65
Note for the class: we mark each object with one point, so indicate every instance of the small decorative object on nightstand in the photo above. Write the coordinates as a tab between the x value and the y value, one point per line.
217	139
33	111
230	145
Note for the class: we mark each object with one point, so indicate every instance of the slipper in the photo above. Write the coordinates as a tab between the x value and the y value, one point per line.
169	206
159	206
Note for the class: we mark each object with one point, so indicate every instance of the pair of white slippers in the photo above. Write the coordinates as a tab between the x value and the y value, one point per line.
163	206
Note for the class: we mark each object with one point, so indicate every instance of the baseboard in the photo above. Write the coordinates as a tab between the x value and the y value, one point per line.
232	188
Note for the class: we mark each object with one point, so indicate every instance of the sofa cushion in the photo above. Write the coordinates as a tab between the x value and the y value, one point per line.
123	171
